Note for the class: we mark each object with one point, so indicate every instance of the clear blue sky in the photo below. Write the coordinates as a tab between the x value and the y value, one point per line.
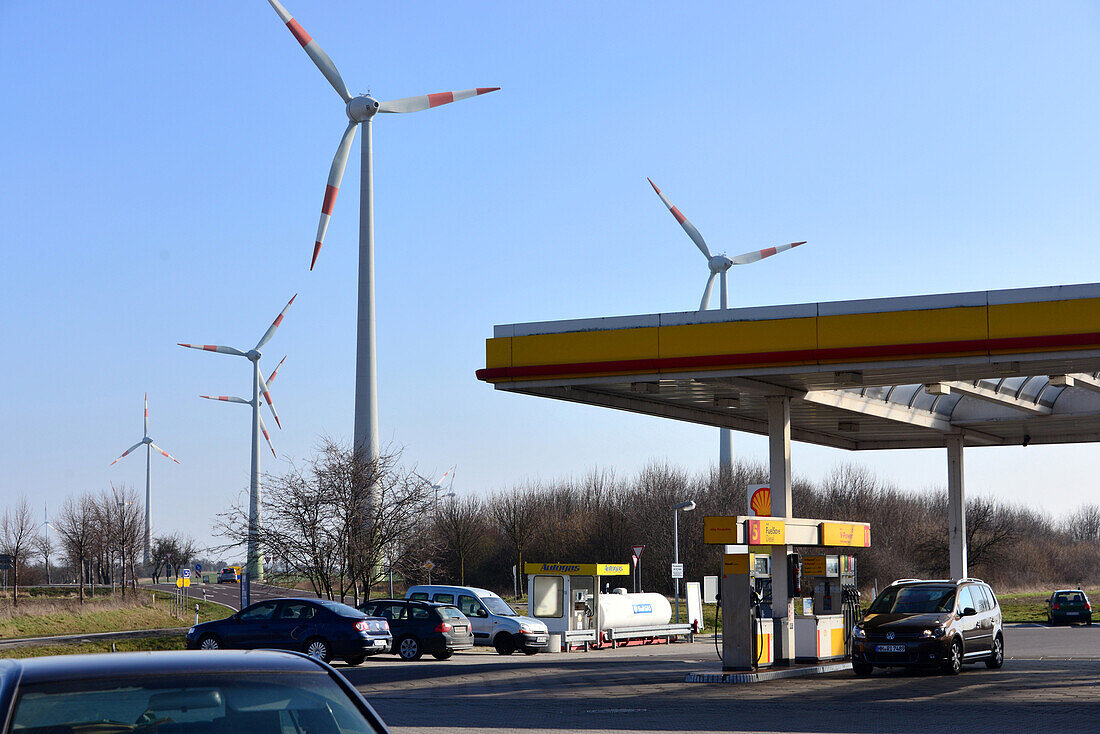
163	168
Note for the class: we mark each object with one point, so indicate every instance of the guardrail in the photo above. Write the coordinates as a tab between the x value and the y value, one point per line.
667	631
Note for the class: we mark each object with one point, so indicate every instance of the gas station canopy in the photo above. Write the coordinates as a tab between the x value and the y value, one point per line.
990	367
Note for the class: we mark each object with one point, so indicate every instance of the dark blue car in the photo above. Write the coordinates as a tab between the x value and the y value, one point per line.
318	627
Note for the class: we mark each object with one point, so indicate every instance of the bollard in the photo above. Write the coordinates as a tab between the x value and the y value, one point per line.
196	614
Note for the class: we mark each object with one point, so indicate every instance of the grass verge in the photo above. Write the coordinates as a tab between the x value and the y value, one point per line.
43	616
166	642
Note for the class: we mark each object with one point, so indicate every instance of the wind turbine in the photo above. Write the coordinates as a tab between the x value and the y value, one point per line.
149	447
231	399
259	387
361	111
48	526
719	265
439	485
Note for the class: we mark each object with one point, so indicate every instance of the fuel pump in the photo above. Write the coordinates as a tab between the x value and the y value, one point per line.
746	629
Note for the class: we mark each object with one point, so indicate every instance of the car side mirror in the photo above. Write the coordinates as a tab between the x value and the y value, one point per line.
482	613
968	612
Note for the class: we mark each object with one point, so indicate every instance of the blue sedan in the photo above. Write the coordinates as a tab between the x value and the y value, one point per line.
318	627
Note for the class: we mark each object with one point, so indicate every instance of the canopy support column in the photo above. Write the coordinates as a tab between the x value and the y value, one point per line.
956	506
779	454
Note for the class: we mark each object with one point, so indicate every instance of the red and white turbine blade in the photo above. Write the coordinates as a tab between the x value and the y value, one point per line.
214	348
267	398
751	257
427	101
275	324
320	58
146	414
276	370
158	448
444	477
335	175
225	398
263	428
127	452
705	303
688	226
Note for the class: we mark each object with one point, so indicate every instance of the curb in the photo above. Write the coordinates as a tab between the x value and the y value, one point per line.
765	675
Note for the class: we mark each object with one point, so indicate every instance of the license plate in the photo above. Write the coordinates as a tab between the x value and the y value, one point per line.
1072	614
460	629
379	643
540	638
889	648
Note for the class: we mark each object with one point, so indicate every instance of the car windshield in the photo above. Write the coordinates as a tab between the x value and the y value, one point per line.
1070	596
281	704
914	600
342	609
449	612
496	605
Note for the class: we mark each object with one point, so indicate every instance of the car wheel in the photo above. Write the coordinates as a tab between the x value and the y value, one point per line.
209	642
953	663
318	648
504	644
443	655
356	660
408	648
862	669
997	657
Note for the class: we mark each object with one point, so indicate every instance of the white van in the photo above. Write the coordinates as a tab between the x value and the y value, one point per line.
492	620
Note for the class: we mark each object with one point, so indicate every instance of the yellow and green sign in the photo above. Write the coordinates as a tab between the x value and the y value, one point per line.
578	569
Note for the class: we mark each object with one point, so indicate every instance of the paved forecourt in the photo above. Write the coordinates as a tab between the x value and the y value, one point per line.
1048	682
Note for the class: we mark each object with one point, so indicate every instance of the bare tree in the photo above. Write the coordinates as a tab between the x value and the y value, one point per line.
461	528
1084	523
44	545
518	517
17	533
76	527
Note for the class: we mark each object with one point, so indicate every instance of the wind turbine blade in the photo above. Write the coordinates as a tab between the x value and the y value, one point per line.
688	226
335	175
427	101
267	397
276	370
705	303
320	58
751	257
146	414
127	452
158	448
225	399
214	348
443	478
267	436
274	324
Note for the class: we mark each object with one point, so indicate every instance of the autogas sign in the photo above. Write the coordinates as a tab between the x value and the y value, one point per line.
578	569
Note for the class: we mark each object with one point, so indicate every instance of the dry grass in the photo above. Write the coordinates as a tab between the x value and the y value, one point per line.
38	617
166	642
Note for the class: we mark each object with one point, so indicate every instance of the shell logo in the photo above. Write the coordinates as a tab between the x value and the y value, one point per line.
761	502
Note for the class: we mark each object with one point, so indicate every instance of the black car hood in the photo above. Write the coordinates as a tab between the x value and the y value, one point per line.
899	622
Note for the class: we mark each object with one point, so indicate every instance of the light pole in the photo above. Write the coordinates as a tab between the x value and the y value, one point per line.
686	507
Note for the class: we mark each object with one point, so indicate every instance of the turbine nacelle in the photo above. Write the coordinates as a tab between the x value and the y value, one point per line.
719	264
147	440
252	355
362	108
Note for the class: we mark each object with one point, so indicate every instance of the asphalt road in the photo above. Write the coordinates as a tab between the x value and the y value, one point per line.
1049	682
230	594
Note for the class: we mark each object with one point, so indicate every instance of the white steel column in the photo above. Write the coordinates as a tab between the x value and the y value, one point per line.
779	456
956	506
255	560
725	435
366	364
145	548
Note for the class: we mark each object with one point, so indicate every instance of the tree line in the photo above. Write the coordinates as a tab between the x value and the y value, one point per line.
319	529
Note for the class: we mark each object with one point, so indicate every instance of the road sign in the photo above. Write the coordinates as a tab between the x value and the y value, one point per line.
677	570
198	567
428	566
187	573
637	550
179	583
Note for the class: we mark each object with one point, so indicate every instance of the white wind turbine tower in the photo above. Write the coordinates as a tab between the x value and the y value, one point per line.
259	386
360	111
149	448
439	485
719	265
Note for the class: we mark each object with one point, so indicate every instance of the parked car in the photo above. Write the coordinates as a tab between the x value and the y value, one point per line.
930	623
493	621
1069	606
420	627
318	627
230	575
180	692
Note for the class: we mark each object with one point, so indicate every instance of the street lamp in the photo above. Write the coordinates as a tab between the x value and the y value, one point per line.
686	507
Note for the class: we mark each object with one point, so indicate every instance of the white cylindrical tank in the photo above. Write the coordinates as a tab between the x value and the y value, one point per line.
633	610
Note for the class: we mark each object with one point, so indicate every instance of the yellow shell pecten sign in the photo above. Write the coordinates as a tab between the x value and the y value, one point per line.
761	502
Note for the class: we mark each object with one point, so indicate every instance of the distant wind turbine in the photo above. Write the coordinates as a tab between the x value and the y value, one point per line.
259	387
719	265
149	446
